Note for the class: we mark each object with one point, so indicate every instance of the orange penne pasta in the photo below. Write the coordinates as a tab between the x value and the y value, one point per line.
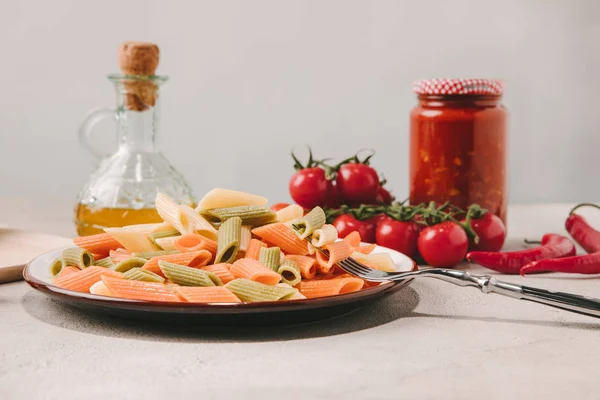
338	251
195	242
210	294
308	270
254	248
67	271
353	239
100	244
119	255
196	259
221	270
254	270
280	235
329	287
84	279
139	290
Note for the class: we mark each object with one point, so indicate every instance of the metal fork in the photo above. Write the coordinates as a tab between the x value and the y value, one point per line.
487	284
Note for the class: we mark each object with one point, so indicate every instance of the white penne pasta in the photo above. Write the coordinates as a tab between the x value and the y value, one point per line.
171	213
245	237
311	249
290	213
100	289
326	235
296	296
380	261
222	198
281	257
167	243
134	238
163	227
194	222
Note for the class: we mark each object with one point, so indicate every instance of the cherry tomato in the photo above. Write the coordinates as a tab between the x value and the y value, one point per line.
491	232
346	224
376	219
384	196
278	206
333	198
358	183
401	236
309	187
443	245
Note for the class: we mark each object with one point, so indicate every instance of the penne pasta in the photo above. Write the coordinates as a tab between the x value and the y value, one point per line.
254	247
171	213
337	252
353	239
307	265
106	262
197	223
305	226
140	274
149	254
100	289
251	291
167	243
163	234
255	271
187	276
77	257
139	290
296	296
209	294
380	261
133	262
246	236
194	242
323	236
223	271
134	238
228	243
282	236
101	243
82	281
196	259
250	215
289	213
329	287
224	198
270	257
290	272
119	255
67	270
56	266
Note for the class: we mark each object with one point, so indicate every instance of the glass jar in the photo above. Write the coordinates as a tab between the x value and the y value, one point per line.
458	144
123	189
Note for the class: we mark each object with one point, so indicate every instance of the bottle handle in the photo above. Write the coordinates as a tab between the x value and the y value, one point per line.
85	129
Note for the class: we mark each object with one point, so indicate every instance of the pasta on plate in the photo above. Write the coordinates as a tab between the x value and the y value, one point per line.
230	249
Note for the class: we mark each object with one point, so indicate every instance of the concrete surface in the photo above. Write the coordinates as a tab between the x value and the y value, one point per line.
429	341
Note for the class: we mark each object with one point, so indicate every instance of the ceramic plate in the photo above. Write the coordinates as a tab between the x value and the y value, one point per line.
38	276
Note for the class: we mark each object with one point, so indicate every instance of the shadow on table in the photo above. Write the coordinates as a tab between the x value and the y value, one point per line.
377	313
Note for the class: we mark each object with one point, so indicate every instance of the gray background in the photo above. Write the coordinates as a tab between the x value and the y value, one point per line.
251	79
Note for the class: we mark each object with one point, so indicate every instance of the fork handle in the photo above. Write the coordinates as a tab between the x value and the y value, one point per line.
487	284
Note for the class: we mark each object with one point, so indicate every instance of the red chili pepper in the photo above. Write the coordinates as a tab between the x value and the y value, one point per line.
586	236
585	264
553	246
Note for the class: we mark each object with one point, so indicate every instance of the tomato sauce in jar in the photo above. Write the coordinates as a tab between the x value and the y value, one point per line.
458	144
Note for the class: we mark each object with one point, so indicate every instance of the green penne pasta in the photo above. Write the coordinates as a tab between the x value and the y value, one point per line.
250	215
149	254
133	262
270	257
251	291
56	266
290	272
105	262
77	257
140	274
187	276
163	234
228	242
312	221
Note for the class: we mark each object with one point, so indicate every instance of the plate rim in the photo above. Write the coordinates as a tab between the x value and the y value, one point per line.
263	306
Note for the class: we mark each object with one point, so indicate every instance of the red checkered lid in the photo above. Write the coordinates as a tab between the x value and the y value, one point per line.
459	86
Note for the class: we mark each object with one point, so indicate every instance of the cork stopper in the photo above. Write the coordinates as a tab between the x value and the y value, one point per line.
139	59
